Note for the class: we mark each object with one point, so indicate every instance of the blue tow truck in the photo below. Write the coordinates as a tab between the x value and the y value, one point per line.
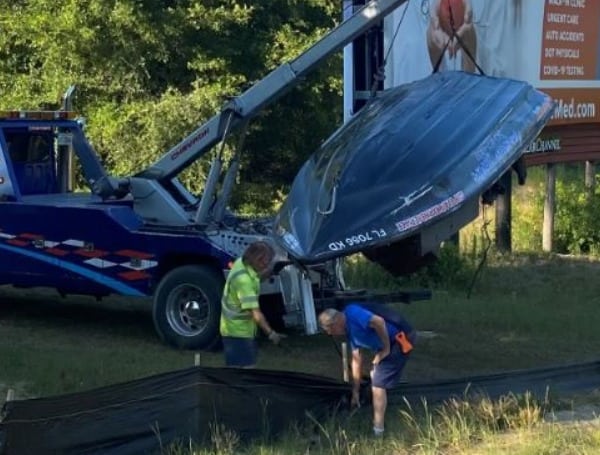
146	235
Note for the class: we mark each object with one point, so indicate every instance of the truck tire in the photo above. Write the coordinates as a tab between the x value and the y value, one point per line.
187	307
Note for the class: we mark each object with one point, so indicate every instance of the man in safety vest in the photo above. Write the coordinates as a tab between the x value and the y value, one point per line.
240	313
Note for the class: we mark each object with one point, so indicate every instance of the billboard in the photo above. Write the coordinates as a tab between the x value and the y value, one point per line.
552	44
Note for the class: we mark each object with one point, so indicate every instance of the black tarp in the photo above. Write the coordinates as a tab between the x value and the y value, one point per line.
412	156
137	417
144	415
540	382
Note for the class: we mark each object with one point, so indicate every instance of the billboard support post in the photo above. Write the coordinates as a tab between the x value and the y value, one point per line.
504	215
549	208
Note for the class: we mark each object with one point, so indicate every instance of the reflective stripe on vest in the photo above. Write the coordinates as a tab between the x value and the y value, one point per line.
235	313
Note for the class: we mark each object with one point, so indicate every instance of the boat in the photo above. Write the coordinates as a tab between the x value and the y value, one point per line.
410	169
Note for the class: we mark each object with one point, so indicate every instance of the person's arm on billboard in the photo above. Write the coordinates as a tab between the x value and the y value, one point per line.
468	37
437	38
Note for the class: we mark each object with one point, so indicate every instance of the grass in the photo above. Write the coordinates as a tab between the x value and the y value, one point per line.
525	311
511	425
521	314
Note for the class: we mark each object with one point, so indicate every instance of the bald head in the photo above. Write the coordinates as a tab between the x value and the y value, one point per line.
327	316
332	321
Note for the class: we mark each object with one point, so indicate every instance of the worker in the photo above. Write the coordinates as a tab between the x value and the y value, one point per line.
390	343
240	312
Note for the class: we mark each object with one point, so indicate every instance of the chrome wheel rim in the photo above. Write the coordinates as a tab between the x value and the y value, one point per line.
188	310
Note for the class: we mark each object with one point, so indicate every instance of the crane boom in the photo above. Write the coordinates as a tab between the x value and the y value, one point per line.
265	91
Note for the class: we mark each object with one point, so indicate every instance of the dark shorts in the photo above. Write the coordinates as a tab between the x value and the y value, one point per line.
387	374
240	352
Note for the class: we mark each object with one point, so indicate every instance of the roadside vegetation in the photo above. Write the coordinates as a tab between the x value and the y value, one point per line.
525	310
507	312
148	73
512	425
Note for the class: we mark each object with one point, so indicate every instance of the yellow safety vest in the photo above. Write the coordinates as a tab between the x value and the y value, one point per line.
240	296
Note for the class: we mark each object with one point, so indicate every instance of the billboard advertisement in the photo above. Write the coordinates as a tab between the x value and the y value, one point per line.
552	44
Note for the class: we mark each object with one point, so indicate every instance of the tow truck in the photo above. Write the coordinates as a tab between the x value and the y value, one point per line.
146	235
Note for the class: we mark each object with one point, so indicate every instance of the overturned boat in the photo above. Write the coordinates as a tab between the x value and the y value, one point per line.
407	171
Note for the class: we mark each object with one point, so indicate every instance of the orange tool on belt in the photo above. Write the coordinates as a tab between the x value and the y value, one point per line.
405	344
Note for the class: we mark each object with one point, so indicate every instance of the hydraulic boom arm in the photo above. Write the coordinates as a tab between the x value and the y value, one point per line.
266	91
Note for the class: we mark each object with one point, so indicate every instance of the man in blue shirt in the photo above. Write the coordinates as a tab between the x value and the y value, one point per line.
391	345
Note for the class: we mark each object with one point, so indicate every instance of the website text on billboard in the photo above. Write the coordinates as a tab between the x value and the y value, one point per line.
570	110
570	53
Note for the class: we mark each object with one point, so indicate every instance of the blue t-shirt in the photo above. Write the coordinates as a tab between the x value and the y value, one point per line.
359	334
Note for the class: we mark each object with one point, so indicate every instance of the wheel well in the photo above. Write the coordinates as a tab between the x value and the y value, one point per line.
172	261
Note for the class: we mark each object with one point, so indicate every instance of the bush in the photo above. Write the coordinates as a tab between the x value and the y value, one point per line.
453	270
577	221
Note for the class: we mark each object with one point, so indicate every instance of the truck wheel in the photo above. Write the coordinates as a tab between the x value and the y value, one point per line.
187	307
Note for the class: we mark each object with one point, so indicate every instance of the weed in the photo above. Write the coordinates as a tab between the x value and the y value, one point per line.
224	441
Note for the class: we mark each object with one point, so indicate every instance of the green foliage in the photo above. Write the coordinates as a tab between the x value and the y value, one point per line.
577	226
528	212
132	136
576	220
252	199
109	48
359	272
149	72
452	270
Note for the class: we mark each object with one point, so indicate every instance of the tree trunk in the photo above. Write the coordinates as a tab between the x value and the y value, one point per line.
454	239
590	177
504	215
549	208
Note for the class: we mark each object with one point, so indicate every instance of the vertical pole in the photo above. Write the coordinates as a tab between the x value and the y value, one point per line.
308	305
504	215
455	239
64	153
549	208
590	177
348	6
345	362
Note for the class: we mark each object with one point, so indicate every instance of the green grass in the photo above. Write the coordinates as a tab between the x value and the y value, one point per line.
510	425
528	313
525	311
535	315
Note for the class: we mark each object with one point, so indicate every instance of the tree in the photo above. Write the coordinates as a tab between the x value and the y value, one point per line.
149	71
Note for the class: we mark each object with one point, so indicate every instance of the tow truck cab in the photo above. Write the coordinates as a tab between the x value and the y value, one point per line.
44	225
29	164
32	159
